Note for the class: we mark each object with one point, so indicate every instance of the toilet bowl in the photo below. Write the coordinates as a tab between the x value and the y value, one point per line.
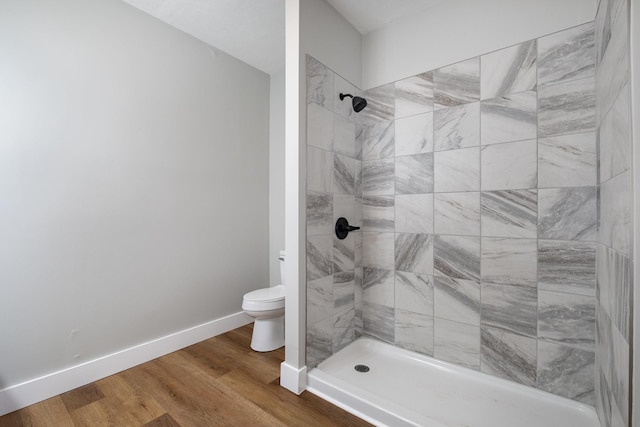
266	306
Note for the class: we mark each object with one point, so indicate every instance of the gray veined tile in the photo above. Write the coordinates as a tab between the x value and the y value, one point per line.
457	84
343	335
319	341
567	55
361	135
622	295
456	127
457	343
617	419
376	138
457	300
414	95
378	250
343	291
604	343
603	398
567	266
457	170
567	160
380	103
509	118
567	107
414	292
509	356
457	213
319	213
344	254
615	213
509	166
319	127
414	213
319	84
319	256
319	170
377	213
613	71
567	213
319	299
615	138
457	257
414	134
414	253
414	174
344	136
566	319
613	286
510	213
509	261
378	177
344	205
509	70
620	372
358	178
378	286
606	276
414	331
343	107
357	238
510	308
602	30
344	169
566	371
379	321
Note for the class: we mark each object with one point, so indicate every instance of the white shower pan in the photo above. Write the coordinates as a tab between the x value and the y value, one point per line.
404	388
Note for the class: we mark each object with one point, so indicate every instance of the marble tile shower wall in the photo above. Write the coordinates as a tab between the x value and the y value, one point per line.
333	189
614	267
479	189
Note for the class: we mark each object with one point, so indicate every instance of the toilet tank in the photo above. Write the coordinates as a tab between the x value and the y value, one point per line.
282	271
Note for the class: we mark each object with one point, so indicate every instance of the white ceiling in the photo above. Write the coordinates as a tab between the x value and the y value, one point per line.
253	30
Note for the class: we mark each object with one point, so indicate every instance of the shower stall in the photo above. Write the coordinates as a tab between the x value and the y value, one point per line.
494	200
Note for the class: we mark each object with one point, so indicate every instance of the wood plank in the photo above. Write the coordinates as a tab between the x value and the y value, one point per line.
81	396
48	413
165	420
132	407
286	406
170	393
230	406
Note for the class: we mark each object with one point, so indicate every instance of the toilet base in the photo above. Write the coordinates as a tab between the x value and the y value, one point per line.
268	334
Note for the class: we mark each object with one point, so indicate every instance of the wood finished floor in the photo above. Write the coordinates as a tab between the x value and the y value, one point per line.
218	382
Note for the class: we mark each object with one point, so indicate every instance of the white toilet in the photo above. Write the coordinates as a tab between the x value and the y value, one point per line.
266	305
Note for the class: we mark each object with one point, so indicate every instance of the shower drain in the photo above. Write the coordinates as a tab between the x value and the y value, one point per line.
361	368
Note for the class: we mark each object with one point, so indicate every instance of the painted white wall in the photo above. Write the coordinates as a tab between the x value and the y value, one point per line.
317	29
276	175
133	182
452	31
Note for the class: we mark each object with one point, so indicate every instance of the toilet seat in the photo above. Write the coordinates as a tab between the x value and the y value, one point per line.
264	299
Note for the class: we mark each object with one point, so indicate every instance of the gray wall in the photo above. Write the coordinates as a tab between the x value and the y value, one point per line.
133	182
276	175
615	269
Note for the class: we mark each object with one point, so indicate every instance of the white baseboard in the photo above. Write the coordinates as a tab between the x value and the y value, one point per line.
32	391
293	379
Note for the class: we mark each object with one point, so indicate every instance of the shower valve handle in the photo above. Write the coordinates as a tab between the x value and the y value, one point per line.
343	228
